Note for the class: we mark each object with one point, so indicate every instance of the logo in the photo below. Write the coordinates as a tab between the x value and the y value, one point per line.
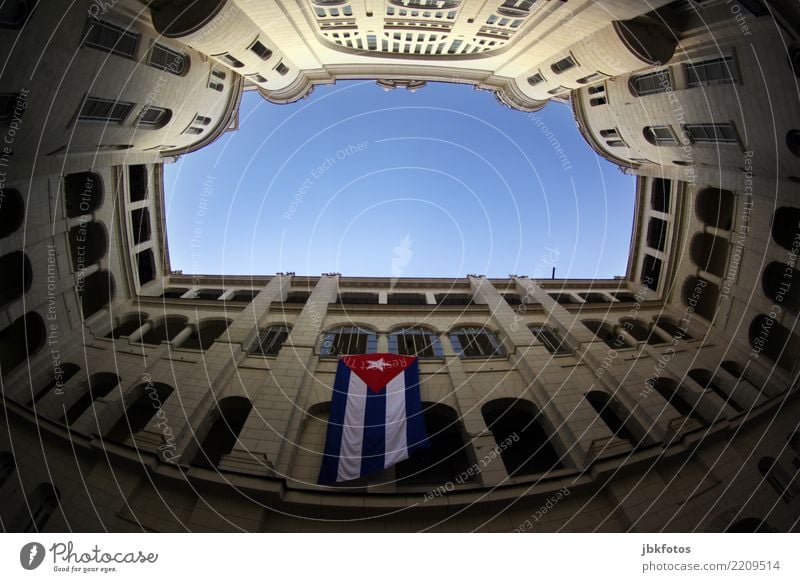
31	555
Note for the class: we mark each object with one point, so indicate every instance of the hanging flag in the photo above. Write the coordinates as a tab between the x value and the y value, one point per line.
376	416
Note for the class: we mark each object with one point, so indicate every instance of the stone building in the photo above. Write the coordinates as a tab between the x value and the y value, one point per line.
137	398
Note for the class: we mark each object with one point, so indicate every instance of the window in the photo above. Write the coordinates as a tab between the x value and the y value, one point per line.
476	342
659	194
651	272
720	71
14	13
597	89
154	117
218	74
563	65
282	69
609	133
263	52
712	132
657	234
616	143
166	59
660	135
416	341
216	86
202	120
270	340
8	103
105	110
349	340
231	60
597	101
7	466
558	90
110	38
590	78
137	182
193	130
650	83
536	79
551	340
223	433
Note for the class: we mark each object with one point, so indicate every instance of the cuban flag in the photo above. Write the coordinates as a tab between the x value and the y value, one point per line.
376	416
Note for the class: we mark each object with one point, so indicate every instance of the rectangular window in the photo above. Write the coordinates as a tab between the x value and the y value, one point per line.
563	65
231	60
218	74
202	120
153	117
282	69
558	90
111	38
216	86
651	83
657	234
720	71
616	143
536	79
193	130
711	132
661	135
107	110
551	340
659	194
263	52
597	101
166	59
8	103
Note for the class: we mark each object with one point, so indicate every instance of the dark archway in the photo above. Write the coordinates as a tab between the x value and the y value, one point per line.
672	328
96	386
88	243
710	253
605	332
17	276
59	376
21	340
671	392
786	226
445	459
229	418
781	284
7	467
165	330
145	401
83	193
715	207
205	334
613	414
96	292
639	331
533	451
702	296
706	379
41	504
12	211
769	337
127	325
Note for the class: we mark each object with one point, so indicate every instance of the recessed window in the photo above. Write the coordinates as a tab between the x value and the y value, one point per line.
216	86
536	79
218	74
793	141
650	83
416	341
8	103
597	89
563	65
106	110
550	339
609	133
202	120
597	101
270	340
154	117
263	52
111	38
590	78
558	90
166	59
14	13
193	131
349	340
476	342
712	132
616	143
660	135
657	234
232	61
282	69
719	71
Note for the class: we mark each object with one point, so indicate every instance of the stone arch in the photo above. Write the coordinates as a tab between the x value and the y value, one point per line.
165	330
786	226
706	379
83	193
88	244
96	292
225	422
20	341
127	324
39	508
145	401
714	207
206	333
673	393
701	295
17	276
59	376
96	386
710	253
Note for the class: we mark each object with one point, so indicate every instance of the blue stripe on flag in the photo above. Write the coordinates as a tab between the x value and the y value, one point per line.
333	440
416	434
374	445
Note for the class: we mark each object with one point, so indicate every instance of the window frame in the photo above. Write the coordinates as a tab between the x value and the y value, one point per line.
461	348
95	24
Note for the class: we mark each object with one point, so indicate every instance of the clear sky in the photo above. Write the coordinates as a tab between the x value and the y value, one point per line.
444	182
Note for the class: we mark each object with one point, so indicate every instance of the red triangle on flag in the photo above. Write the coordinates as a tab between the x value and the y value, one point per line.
376	370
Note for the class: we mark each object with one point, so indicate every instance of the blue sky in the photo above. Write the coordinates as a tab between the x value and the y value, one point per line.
441	182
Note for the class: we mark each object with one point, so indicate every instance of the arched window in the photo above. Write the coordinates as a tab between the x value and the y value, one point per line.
785	226
88	243
445	459
7	466
270	340
41	504
83	193
146	400
17	276
349	340
603	331
672	328
127	325
59	377
613	414
205	334
784	484
96	292
96	386
671	392
14	13
706	379
551	339
710	253
228	420
476	342
715	207
781	284
165	330
532	451
12	211
416	341
639	331
769	337
20	341
702	296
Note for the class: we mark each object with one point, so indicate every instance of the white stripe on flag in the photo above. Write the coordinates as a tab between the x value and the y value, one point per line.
396	445
353	431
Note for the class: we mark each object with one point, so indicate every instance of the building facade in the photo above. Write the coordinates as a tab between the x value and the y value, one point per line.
136	398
